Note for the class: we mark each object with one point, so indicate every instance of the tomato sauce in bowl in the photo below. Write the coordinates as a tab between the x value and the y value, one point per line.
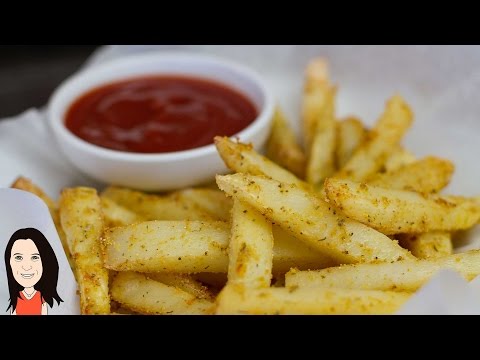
159	114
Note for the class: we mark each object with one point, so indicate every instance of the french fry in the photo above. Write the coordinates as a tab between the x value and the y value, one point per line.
429	245
319	125
428	175
156	207
350	134
243	158
406	275
212	202
312	220
288	252
147	296
369	158
25	184
425	176
399	211
317	86
398	158
321	154
168	246
236	299
116	215
251	247
282	146
191	247
81	219
183	282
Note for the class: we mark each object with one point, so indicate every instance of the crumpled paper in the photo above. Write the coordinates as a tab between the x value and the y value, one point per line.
440	82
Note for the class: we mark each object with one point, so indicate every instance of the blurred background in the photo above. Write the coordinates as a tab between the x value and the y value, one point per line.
30	73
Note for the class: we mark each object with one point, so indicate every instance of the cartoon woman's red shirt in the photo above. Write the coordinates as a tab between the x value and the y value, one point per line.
31	306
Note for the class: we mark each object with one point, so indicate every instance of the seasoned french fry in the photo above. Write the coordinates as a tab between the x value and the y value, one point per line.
321	154
168	246
191	247
317	85
312	220
212	202
369	158
428	175
25	184
81	219
282	146
429	245
236	299
251	247
117	215
147	296
288	252
398	158
183	282
350	134
156	207
406	275
243	158
399	211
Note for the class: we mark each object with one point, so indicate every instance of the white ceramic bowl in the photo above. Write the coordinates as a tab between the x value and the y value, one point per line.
164	171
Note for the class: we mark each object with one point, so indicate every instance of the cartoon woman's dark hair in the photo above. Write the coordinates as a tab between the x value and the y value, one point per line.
47	285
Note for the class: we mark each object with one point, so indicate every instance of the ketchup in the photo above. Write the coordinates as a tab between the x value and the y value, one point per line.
158	114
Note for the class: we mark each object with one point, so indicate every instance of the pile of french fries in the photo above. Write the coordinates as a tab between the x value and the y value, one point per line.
346	222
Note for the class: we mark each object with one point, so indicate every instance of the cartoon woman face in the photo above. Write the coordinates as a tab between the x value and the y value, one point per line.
26	263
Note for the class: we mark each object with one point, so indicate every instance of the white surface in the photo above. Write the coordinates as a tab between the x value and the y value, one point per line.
19	210
441	83
157	172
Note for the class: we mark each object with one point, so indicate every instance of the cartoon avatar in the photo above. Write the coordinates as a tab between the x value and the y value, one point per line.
32	271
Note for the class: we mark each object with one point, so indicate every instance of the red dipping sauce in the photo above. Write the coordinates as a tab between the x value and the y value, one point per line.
159	114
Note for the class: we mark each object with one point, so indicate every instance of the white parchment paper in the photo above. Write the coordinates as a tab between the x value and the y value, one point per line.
442	84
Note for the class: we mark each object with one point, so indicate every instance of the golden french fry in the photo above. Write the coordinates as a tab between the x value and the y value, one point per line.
398	158
321	154
317	85
156	207
25	184
191	247
251	247
319	125
183	282
81	219
147	296
312	220
237	299
212	202
168	246
429	245
406	275
288	252
369	158
117	215
400	211
428	175
282	146
243	158
350	135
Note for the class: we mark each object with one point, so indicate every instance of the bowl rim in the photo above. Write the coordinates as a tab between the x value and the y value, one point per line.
57	123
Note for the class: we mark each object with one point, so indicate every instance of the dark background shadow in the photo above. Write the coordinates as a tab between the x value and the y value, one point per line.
30	73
